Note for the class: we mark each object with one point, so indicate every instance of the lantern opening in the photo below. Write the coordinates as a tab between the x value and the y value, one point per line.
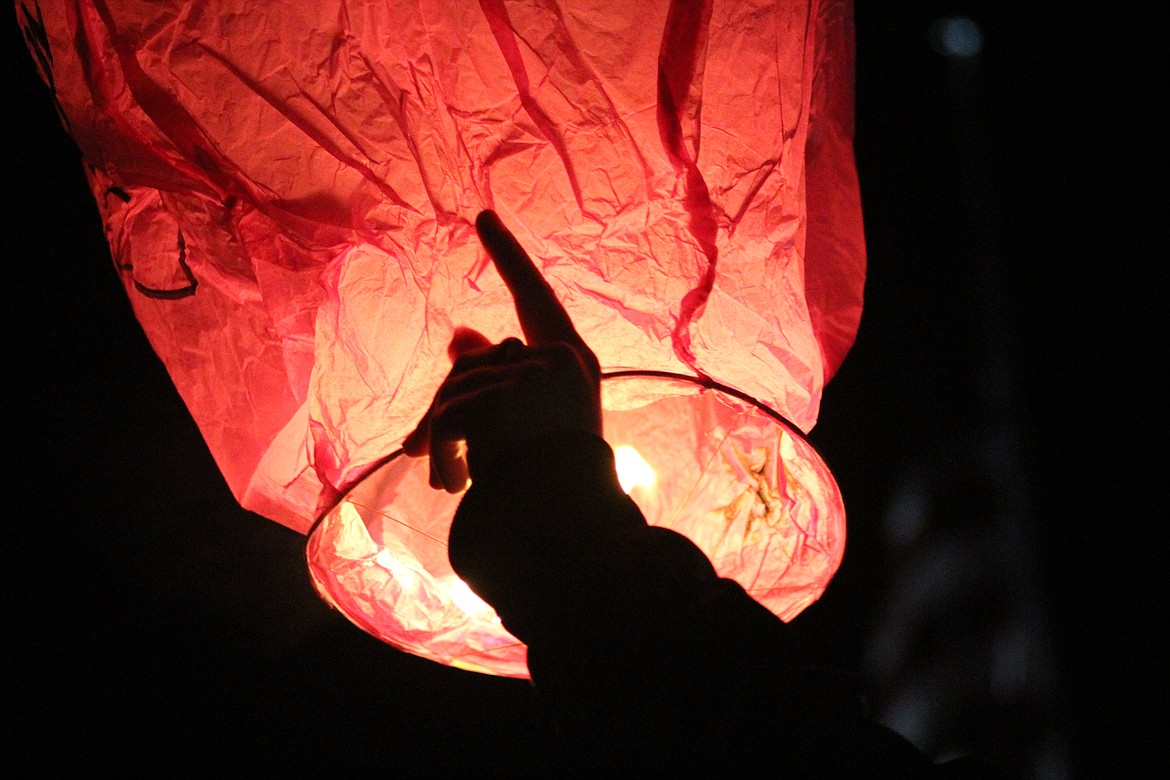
700	458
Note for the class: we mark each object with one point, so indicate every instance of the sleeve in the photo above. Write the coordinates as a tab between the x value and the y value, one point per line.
649	661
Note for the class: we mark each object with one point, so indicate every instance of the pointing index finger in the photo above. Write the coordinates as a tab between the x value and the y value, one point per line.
542	317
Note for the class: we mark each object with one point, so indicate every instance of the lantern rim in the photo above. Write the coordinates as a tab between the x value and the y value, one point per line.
705	382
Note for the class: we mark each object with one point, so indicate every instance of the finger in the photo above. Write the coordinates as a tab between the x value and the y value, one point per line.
472	379
455	421
466	340
476	362
449	466
468	383
542	317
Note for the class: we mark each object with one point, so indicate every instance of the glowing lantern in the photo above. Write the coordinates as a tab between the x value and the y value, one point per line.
289	192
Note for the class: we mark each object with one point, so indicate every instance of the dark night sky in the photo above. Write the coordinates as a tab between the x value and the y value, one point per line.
1011	223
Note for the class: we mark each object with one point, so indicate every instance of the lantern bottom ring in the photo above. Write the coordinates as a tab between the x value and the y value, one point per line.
704	459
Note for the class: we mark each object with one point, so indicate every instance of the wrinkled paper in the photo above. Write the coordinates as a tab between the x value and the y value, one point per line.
289	192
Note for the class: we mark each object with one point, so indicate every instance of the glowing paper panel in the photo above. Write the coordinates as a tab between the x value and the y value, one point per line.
289	192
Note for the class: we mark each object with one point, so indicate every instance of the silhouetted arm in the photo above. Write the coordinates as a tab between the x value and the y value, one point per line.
650	663
645	657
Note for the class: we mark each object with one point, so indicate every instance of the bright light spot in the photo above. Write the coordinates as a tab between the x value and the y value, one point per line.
956	36
633	470
465	598
405	576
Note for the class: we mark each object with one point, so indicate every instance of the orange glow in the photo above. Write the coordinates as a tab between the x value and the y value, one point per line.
632	469
289	192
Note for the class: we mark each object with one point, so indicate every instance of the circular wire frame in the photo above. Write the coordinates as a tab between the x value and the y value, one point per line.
701	458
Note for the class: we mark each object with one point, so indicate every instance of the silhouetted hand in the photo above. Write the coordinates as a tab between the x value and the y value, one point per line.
499	396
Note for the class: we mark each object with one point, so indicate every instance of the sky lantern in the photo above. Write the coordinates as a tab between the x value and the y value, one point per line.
289	193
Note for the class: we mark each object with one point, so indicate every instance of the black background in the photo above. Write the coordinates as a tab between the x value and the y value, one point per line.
153	624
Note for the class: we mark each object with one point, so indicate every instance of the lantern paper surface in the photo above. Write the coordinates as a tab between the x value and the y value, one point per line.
289	192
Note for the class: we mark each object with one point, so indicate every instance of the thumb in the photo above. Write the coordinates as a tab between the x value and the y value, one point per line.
464	340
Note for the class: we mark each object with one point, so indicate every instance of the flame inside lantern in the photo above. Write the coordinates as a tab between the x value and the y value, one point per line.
289	190
632	469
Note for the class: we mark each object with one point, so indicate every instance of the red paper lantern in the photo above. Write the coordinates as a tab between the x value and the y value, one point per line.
289	191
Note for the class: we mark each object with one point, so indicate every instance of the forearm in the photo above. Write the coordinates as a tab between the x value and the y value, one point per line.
647	658
566	558
548	537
